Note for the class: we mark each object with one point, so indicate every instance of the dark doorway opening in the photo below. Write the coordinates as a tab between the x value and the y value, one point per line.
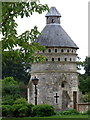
75	100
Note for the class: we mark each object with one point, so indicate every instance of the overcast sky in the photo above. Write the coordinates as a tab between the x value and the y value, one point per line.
74	21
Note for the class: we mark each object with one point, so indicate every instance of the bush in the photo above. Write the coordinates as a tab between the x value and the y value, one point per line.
88	112
26	110
85	98
8	100
23	111
21	101
21	108
69	112
29	111
6	110
43	110
15	109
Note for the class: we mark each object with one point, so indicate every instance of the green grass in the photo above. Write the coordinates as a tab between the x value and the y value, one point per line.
62	117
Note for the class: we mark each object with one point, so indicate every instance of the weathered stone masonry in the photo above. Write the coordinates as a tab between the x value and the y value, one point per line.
58	79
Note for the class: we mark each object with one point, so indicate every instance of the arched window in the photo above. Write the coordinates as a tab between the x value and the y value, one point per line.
68	50
52	59
62	50
53	20
56	50
70	59
43	51
65	59
49	50
63	85
58	59
46	59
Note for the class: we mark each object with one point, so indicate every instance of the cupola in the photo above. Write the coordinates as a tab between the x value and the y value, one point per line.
53	16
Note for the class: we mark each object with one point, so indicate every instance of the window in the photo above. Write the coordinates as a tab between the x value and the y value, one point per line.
70	59
56	50
52	59
72	51
43	51
65	59
49	50
46	59
62	85
58	59
68	50
53	20
62	50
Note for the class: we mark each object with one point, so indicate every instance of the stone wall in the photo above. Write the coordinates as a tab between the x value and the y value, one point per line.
83	107
57	76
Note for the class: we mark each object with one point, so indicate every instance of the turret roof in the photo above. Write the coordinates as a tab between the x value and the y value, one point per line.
53	35
53	12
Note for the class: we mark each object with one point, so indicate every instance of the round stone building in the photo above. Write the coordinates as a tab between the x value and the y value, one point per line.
58	77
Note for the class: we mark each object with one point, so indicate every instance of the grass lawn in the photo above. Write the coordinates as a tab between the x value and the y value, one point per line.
62	117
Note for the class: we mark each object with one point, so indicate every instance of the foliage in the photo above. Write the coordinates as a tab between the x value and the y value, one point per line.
85	98
22	46
29	111
43	110
87	66
84	83
20	108
10	87
88	112
15	109
23	89
11	90
6	110
9	81
69	112
16	69
8	100
79	63
20	101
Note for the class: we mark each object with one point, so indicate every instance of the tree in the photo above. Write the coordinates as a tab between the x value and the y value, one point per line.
11	90
87	66
19	71
22	46
18	50
84	79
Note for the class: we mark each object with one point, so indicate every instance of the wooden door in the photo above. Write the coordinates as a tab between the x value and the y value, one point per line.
75	100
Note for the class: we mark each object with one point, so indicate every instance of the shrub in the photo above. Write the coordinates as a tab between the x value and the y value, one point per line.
69	112
6	110
15	109
43	110
21	101
23	111
29	111
88	112
85	98
7	100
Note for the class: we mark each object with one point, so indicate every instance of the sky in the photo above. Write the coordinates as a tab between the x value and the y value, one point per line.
74	21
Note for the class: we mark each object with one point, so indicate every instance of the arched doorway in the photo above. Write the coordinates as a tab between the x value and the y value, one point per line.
65	96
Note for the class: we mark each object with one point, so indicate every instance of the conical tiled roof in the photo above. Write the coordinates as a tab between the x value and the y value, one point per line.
53	35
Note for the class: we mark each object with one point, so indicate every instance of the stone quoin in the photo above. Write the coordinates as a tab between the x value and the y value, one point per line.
58	77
